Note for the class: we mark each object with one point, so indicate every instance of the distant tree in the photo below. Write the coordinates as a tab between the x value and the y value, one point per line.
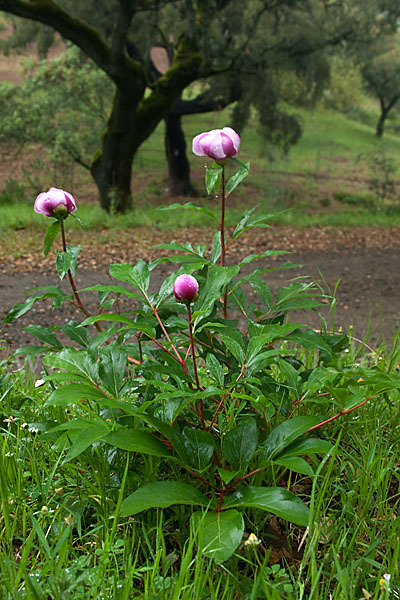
381	73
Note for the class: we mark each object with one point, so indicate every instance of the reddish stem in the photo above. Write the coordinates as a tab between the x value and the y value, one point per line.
222	224
200	409
341	413
78	300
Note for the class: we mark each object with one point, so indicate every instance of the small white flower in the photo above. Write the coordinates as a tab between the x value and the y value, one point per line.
252	540
385	580
10	419
33	429
39	383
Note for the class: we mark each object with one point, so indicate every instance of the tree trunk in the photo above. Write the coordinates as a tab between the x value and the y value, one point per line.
178	165
112	167
381	123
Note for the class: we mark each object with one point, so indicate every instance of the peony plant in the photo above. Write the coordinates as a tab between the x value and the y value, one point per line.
214	392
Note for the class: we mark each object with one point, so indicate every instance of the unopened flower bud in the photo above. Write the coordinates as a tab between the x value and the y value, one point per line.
55	203
186	289
219	144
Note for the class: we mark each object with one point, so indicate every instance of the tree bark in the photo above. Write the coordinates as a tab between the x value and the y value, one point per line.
381	123
178	165
111	168
385	109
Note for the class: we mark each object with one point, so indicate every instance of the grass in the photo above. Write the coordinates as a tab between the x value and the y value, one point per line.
337	156
61	536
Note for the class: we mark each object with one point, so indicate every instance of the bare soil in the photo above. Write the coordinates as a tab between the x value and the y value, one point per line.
365	262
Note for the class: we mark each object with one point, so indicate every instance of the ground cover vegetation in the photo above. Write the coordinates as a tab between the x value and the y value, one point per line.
222	44
198	445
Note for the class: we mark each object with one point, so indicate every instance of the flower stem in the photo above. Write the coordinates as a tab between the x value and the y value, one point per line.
192	347
196	377
78	300
222	225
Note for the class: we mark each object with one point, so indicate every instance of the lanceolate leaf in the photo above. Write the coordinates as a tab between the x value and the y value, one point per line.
213	179
43	334
296	464
237	178
73	393
135	440
240	444
51	234
112	365
285	434
279	501
48	292
188	206
162	494
67	261
308	446
218	278
78	363
86	438
196	447
218	534
138	276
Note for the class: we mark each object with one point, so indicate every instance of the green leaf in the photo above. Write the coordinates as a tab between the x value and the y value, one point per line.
251	257
196	447
67	261
286	433
115	289
227	475
292	380
108	317
310	339
79	363
138	276
112	363
306	447
162	494
51	234
216	248
237	178
44	335
49	292
135	440
213	179
296	464
73	393
218	534
76	333
89	436
218	278
276	500
240	444
249	222
215	368
234	347
188	206
262	289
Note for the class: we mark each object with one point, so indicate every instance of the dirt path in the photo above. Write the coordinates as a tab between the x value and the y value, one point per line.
366	262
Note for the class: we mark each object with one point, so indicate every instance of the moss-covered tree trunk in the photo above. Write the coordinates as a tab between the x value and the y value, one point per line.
178	165
111	168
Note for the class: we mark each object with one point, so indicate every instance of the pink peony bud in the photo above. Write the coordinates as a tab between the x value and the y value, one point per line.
219	144
55	203
186	289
